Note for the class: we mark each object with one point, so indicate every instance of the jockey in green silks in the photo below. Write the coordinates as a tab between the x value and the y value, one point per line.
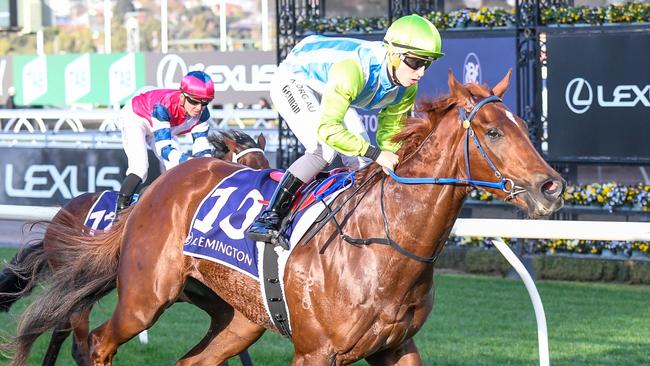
315	86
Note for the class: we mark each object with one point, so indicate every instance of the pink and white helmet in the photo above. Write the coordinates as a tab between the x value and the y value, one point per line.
198	85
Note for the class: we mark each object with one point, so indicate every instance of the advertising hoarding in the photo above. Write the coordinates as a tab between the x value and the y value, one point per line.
599	97
51	176
239	77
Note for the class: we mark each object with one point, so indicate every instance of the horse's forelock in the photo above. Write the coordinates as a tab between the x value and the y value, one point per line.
480	91
218	142
242	139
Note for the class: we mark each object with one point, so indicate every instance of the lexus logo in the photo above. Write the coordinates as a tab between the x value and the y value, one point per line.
576	89
167	70
471	69
579	96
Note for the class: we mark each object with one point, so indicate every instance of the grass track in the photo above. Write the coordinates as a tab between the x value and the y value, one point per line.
476	321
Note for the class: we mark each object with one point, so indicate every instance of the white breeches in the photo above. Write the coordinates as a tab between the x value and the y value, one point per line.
137	137
298	102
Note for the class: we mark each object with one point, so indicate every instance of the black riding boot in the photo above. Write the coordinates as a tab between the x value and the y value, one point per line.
129	185
267	225
123	201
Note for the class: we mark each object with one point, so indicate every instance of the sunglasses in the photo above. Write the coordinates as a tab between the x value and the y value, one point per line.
196	102
416	63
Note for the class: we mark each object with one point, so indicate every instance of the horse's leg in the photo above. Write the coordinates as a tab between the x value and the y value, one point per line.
59	334
80	328
147	285
220	312
405	355
223	341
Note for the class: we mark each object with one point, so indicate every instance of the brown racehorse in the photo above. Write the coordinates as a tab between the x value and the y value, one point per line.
229	145
346	302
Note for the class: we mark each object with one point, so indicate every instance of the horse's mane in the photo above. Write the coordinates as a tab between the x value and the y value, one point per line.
218	141
416	129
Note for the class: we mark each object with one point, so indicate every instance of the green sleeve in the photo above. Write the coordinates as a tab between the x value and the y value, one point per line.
345	82
389	120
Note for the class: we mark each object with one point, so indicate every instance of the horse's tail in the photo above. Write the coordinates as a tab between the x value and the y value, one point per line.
85	270
20	275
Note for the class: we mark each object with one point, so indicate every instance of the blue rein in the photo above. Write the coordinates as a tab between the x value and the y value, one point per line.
466	121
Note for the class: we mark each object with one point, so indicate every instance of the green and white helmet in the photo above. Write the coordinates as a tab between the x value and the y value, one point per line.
414	34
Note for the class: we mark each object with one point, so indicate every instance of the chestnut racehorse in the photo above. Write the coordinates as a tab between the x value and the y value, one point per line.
346	302
231	145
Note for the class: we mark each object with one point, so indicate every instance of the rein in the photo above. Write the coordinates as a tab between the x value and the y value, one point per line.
505	184
466	121
239	155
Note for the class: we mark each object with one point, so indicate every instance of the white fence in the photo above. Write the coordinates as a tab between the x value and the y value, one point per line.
98	128
77	120
523	229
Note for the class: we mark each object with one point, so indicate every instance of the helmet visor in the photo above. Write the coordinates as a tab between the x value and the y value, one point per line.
416	62
193	101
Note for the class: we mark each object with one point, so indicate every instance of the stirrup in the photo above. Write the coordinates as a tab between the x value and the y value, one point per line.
256	233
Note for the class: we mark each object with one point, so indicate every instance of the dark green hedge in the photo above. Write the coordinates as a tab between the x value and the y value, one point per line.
547	267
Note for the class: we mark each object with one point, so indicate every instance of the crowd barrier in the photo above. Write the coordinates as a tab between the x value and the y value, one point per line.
522	229
79	120
98	129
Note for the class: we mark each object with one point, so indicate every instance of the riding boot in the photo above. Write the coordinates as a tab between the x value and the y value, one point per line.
125	196
123	201
267	225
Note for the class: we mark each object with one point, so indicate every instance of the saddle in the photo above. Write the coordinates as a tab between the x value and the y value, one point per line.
218	228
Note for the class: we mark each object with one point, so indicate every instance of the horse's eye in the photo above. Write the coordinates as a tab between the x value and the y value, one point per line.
494	133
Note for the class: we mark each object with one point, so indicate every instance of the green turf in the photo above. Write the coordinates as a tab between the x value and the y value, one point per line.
476	321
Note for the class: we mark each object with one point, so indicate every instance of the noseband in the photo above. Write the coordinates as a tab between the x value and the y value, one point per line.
239	155
505	184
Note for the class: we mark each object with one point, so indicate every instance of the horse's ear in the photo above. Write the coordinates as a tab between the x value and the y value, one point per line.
458	91
500	89
231	144
261	141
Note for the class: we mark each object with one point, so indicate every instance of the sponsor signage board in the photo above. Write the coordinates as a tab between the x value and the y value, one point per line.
598	98
238	76
49	176
63	80
6	78
110	79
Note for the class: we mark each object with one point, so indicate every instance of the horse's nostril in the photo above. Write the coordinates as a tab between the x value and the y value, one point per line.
552	188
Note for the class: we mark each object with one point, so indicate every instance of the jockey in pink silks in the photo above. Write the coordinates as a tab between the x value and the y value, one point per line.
154	118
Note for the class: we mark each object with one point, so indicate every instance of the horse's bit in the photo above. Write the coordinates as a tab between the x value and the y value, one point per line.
239	155
505	184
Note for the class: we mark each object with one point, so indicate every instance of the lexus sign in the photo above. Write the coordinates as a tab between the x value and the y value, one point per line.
238	76
598	98
579	96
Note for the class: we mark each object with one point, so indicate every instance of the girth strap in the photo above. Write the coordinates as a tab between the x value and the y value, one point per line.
273	294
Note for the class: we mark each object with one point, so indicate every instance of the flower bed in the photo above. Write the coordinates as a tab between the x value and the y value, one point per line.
565	268
621	249
610	14
484	17
609	196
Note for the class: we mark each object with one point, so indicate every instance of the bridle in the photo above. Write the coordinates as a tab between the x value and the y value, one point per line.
505	184
239	155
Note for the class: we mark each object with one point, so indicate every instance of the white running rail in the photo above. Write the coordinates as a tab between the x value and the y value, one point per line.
76	120
492	228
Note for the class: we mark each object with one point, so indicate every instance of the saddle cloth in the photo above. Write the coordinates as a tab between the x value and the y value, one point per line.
102	214
218	230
